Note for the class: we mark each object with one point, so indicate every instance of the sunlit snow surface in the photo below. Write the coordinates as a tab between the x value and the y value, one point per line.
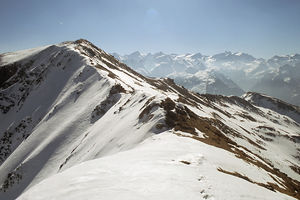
155	170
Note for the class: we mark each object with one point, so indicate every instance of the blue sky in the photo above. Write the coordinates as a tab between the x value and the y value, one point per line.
262	28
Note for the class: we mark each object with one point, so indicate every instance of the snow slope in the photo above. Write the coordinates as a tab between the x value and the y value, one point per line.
77	123
273	104
164	166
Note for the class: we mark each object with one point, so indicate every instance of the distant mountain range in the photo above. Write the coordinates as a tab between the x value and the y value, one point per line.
225	73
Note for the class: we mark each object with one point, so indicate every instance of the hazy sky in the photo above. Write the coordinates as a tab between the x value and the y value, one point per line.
260	27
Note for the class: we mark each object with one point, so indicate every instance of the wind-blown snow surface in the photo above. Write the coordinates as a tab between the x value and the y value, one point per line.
76	123
154	170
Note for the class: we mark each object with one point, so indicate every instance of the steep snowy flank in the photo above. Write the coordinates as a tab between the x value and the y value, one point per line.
77	123
60	107
274	104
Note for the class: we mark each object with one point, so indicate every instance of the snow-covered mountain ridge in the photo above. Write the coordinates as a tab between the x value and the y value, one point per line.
77	123
274	104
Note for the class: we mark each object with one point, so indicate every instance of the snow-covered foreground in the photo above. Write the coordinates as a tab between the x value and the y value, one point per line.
165	166
77	123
